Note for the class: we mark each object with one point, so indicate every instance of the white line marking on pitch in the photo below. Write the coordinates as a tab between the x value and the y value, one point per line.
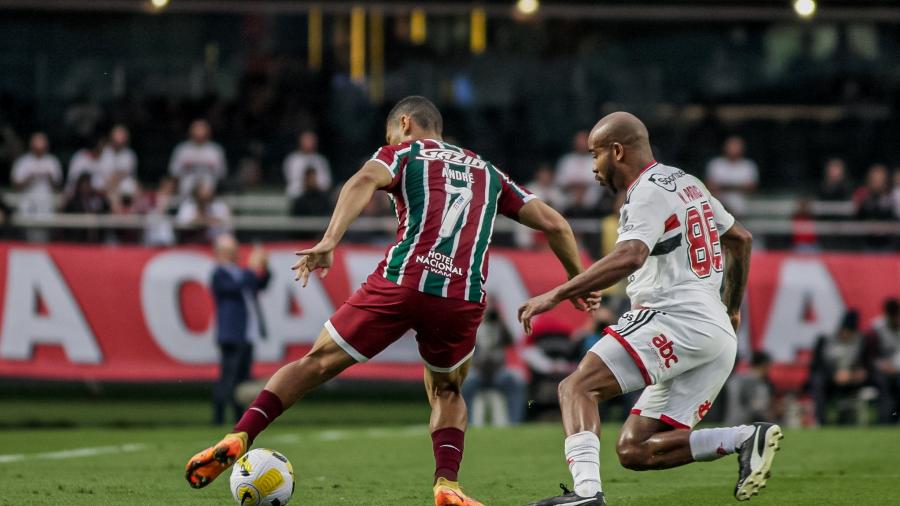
73	453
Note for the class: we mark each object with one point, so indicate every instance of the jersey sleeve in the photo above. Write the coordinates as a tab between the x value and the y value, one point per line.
724	219
512	195
643	217
394	158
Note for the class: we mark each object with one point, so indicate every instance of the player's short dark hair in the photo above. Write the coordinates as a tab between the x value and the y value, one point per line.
421	110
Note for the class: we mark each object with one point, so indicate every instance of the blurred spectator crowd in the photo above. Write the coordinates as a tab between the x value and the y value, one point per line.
103	177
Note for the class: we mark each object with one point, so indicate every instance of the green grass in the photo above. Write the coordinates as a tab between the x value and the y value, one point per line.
385	463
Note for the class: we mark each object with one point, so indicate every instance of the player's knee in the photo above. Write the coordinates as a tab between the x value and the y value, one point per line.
443	385
568	388
631	455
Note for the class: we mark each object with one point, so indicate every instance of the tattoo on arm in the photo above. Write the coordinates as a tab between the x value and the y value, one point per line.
737	267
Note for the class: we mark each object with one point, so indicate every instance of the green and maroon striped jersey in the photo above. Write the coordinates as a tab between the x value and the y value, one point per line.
446	199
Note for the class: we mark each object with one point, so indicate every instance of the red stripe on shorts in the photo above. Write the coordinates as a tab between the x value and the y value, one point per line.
630	350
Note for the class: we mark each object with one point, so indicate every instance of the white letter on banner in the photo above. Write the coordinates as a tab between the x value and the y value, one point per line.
160	301
801	282
282	326
30	274
505	286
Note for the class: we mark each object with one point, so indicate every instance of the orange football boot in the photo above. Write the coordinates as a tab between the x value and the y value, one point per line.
448	493
204	467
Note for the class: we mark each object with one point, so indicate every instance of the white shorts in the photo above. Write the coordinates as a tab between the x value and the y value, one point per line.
683	362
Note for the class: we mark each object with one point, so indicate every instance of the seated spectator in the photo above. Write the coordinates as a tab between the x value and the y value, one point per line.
804	227
118	161
886	346
489	369
197	161
838	370
544	186
732	176
299	162
158	229
87	161
895	193
874	200
314	201
835	185
85	199
129	200
574	171
207	216
749	393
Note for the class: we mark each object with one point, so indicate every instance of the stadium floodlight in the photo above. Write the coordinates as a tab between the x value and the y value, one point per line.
805	8
528	7
159	4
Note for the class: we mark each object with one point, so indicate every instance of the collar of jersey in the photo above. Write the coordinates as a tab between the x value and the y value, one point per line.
652	164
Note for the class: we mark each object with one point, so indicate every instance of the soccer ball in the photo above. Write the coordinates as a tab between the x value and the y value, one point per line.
262	477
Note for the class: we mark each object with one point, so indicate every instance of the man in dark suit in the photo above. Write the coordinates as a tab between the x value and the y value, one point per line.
238	319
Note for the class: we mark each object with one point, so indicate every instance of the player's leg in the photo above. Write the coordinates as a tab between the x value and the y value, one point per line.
449	419
445	333
289	384
658	435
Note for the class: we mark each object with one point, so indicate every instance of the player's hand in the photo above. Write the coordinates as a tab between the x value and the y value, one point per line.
535	306
589	303
319	257
735	320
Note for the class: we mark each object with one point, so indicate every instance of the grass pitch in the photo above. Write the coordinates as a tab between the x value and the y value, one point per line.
391	464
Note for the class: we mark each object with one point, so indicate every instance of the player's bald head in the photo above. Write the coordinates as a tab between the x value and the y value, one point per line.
421	110
620	127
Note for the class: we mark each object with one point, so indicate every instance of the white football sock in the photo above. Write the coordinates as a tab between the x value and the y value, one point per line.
711	444
583	456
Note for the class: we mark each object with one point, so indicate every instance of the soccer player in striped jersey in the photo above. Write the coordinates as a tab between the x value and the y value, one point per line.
431	281
678	341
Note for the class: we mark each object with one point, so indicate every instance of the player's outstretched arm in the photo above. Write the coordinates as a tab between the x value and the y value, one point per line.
537	215
355	195
737	242
627	257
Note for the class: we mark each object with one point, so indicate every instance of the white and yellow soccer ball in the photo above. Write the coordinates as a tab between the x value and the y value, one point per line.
262	477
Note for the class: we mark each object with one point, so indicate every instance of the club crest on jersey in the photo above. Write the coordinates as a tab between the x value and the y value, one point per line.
454	157
666	182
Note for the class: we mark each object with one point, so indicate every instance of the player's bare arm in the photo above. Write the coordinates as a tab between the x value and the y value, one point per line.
537	215
737	243
625	258
354	197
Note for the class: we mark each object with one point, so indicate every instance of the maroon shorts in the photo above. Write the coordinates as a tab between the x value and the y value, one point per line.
380	312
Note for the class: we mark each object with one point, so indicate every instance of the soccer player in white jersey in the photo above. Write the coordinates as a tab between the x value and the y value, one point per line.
676	244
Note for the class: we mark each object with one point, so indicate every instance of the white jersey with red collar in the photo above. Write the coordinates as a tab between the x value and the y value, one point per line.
674	214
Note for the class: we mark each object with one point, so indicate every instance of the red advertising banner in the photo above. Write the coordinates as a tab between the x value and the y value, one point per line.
138	314
129	313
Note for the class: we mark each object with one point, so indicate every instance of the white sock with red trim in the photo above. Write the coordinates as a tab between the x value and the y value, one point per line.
711	444
583	456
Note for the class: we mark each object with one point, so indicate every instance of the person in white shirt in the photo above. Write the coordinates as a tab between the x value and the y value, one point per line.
118	161
36	174
574	170
306	156
209	215
731	177
197	161
87	161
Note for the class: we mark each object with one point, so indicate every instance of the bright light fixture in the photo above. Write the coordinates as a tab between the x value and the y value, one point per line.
805	8
528	7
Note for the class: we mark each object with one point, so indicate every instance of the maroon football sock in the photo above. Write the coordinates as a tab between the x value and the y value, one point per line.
264	410
448	452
